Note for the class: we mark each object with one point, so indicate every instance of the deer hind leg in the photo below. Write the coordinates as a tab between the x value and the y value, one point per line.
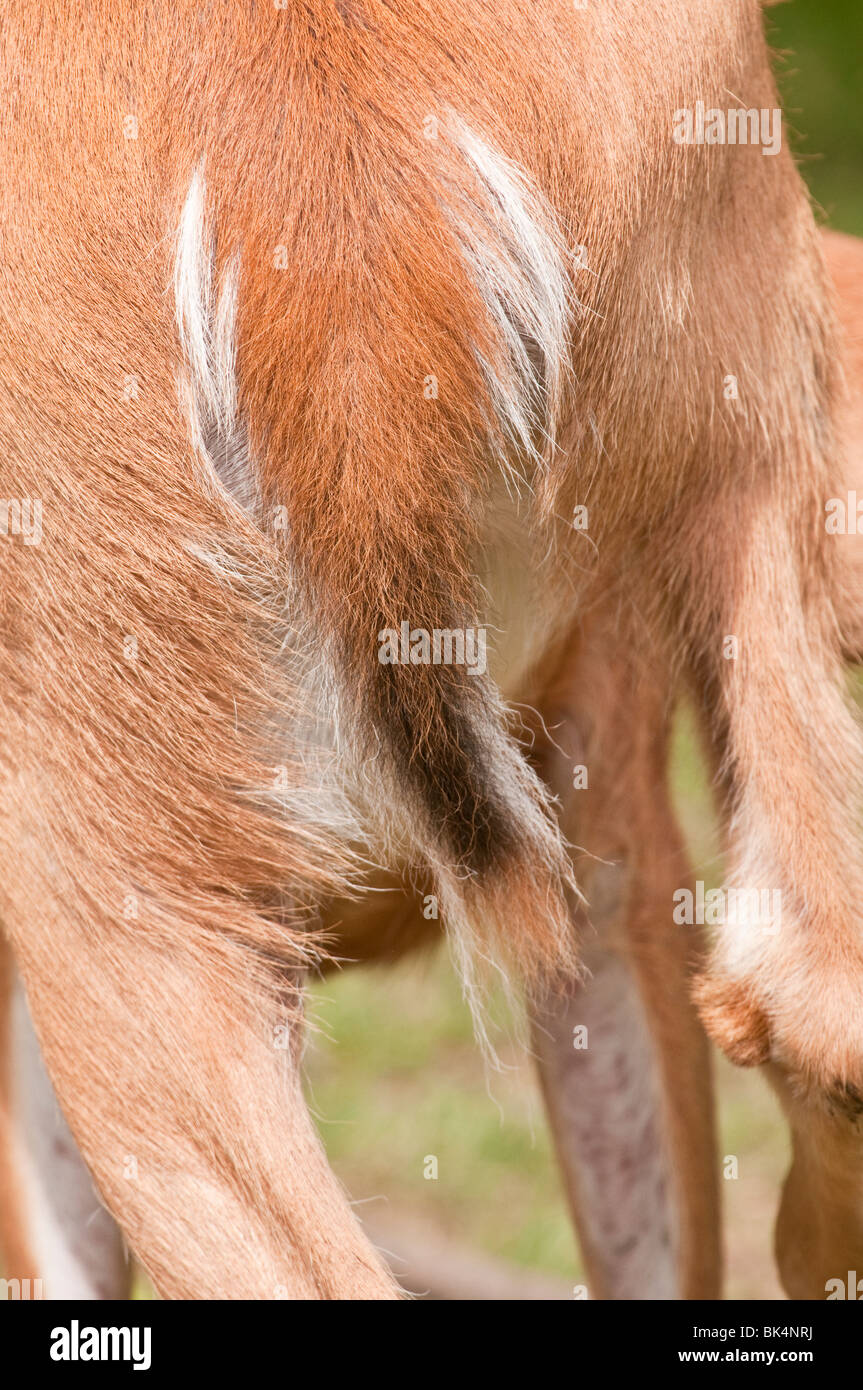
631	1111
787	966
819	1231
786	972
53	1228
187	1106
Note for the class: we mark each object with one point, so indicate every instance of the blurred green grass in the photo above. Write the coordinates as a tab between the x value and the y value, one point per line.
819	44
405	1082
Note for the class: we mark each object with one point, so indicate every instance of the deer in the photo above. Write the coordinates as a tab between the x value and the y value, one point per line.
325	318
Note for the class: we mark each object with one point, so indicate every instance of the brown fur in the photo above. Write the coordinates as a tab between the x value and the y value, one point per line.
14	1244
140	781
819	1231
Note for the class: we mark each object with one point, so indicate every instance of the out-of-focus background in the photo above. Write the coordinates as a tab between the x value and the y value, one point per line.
819	44
394	1076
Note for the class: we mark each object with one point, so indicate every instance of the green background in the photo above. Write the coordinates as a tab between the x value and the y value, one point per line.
819	46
